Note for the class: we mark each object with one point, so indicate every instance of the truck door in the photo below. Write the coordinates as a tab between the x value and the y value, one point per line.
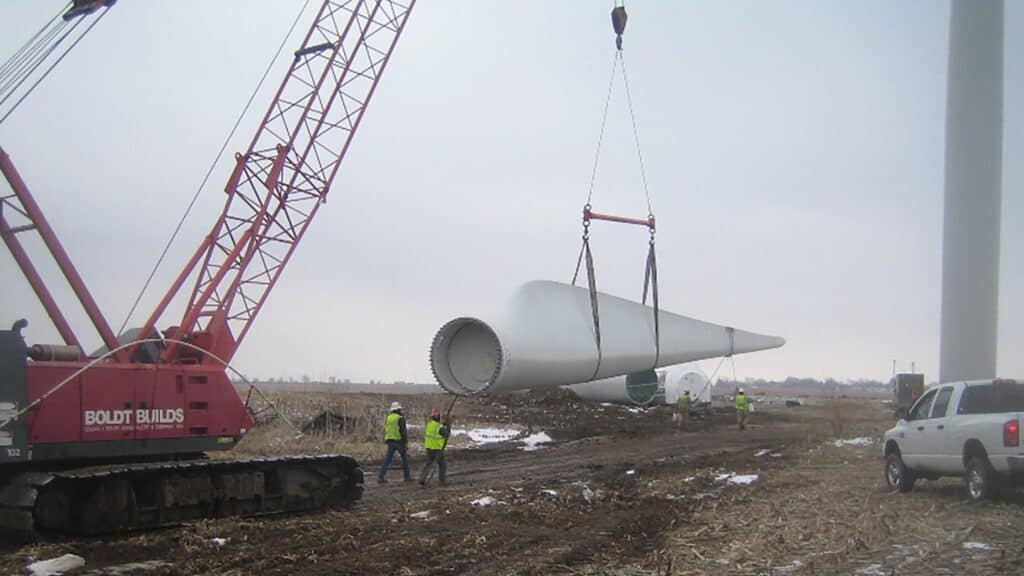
913	446
937	433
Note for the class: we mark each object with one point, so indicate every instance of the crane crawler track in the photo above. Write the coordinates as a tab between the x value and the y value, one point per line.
125	497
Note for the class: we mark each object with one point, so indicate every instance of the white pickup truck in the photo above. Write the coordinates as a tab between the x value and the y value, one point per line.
969	429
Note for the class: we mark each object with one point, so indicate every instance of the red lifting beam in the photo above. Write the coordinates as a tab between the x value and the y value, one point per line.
589	215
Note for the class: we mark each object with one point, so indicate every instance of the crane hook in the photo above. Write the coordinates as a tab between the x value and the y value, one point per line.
619	24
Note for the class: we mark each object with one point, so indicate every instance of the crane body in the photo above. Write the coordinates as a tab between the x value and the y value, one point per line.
114	441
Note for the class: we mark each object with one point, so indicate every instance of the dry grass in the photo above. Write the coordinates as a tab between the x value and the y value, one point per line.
834	415
280	422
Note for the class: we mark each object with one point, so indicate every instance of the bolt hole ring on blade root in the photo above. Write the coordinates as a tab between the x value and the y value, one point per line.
466	356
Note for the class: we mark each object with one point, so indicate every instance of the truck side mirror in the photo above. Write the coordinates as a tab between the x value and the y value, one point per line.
902	414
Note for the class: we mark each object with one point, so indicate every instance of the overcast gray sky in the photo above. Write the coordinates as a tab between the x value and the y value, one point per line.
793	150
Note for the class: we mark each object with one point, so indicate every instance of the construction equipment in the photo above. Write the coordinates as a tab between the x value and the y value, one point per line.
115	441
907	388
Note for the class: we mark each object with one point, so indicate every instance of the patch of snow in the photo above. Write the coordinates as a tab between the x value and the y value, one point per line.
483	502
551	493
764	452
777	455
56	566
534	441
789	568
135	568
689	479
637	410
425	515
588	494
488	435
630	472
607	404
218	542
861	441
734	478
872	570
976	546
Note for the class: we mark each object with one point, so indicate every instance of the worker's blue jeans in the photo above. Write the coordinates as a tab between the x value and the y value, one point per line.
442	466
396	446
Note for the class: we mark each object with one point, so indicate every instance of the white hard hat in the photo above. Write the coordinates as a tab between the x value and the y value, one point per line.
395	406
740	391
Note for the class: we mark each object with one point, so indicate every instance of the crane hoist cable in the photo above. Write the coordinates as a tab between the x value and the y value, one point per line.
619	18
29	58
20	69
33	44
73	10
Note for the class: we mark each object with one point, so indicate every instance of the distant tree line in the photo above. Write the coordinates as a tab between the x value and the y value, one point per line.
793	382
305	380
790	383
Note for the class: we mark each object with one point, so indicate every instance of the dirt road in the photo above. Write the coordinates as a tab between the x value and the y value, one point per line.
618	492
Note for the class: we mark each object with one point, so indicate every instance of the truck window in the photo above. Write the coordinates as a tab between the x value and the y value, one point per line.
942	402
991	399
923	407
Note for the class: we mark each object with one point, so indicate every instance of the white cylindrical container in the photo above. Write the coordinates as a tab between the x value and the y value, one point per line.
686	377
639	388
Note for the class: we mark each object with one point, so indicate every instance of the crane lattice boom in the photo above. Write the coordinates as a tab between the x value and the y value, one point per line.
281	180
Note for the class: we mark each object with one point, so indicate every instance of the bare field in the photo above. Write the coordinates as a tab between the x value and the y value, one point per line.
618	491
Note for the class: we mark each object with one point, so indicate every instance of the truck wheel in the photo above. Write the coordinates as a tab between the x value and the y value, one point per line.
980	479
897	475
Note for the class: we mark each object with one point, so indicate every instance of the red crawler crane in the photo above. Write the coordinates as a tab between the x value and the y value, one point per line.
103	444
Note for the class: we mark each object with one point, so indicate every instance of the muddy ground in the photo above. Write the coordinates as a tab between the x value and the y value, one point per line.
618	491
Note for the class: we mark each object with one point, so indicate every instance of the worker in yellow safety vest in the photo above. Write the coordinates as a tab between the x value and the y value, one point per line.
435	439
683	409
397	439
742	409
